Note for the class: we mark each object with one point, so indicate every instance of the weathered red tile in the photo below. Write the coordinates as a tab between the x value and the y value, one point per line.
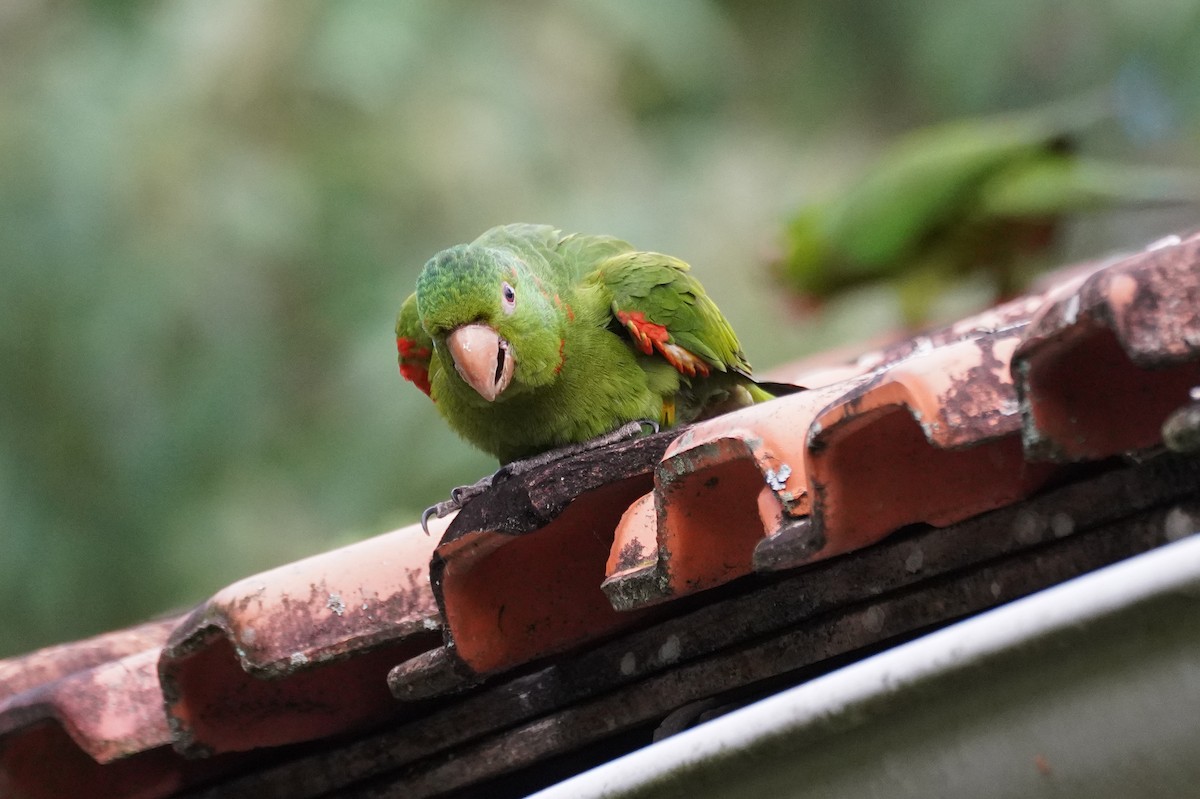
302	651
722	486
932	439
517	576
19	674
97	731
110	711
634	553
1108	360
719	490
511	599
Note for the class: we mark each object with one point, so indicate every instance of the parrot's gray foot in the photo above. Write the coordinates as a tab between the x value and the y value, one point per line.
462	494
459	496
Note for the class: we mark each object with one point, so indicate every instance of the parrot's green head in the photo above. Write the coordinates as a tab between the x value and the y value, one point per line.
492	320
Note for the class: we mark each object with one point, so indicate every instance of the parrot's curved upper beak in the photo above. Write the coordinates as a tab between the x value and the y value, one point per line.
483	358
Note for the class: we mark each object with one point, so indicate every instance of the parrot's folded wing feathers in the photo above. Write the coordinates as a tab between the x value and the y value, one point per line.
665	310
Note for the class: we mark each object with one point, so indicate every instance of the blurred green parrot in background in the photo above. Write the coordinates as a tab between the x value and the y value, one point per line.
528	340
981	195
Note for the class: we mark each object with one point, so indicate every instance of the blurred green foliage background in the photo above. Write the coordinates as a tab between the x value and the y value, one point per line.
211	209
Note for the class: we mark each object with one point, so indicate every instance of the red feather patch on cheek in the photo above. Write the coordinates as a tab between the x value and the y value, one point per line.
417	375
409	348
414	362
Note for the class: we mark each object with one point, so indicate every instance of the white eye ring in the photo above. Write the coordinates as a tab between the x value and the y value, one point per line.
509	297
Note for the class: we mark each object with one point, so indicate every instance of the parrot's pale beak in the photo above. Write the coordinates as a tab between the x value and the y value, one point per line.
483	358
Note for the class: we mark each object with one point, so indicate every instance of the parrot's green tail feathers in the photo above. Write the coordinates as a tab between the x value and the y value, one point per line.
763	390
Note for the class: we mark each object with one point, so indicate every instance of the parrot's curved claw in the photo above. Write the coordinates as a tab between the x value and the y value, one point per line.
432	510
647	427
459	496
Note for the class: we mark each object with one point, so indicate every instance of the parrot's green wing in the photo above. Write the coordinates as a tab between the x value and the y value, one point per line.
414	345
666	311
934	173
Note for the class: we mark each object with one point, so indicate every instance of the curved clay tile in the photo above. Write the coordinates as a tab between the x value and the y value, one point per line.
96	732
933	439
517	575
302	651
631	572
19	674
722	486
111	711
1107	361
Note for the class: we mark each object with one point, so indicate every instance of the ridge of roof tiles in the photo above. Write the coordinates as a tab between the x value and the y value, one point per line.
292	654
934	429
90	713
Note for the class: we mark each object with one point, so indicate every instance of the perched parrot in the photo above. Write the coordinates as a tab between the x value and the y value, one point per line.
529	340
976	195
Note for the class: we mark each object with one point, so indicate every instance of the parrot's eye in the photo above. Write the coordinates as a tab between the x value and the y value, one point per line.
509	295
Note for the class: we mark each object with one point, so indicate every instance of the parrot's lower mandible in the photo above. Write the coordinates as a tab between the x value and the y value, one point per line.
529	340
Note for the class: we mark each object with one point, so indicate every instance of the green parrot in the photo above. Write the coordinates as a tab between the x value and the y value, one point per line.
529	340
984	194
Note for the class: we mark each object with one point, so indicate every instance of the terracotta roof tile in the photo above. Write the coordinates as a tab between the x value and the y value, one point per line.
111	710
43	762
1103	365
518	576
91	713
722	486
19	674
302	651
762	634
933	438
